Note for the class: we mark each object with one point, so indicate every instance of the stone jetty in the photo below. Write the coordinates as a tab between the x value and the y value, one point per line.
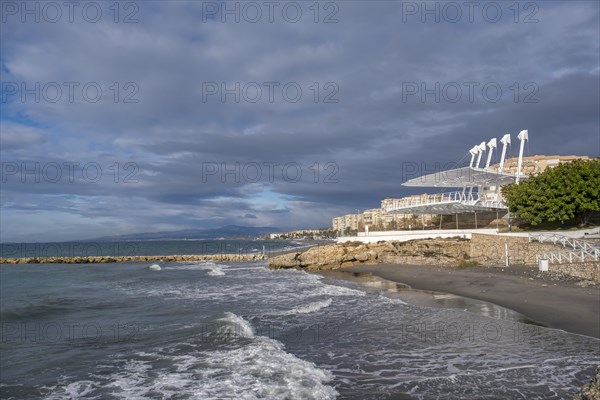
112	259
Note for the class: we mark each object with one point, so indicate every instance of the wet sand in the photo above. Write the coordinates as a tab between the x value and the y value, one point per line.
560	305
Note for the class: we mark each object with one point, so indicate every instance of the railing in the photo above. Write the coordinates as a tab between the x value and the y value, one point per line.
449	197
471	199
582	249
587	247
570	256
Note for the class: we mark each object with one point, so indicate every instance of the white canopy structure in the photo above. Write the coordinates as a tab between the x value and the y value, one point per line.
480	186
460	177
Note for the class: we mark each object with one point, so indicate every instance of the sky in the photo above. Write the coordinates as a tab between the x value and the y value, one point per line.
151	116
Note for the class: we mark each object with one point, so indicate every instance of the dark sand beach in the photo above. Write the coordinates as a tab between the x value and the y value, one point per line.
554	303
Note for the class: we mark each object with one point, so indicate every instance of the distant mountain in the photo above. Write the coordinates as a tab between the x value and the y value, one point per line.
227	232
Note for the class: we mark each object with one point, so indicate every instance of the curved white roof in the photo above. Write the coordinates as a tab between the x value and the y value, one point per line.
461	177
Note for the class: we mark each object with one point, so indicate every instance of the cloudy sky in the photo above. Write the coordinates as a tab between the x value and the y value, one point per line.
166	115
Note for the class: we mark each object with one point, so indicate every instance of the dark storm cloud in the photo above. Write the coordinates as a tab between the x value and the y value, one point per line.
195	155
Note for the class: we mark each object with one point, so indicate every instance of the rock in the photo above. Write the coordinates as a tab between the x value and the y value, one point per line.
111	259
435	251
363	256
591	391
586	283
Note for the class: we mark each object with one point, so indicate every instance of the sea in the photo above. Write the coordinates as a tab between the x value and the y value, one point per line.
204	330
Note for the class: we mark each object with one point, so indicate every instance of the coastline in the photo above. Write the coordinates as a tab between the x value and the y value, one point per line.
555	304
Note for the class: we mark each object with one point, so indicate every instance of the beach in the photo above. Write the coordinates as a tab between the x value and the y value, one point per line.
559	304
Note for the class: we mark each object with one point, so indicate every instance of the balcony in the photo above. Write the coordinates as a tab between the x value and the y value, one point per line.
447	203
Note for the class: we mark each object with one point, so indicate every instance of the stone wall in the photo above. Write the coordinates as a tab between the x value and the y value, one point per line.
589	271
491	250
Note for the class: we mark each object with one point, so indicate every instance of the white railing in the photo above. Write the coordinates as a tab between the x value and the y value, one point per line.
489	200
582	250
587	247
570	256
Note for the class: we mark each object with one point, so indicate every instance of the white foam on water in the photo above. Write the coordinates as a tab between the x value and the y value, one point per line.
216	272
392	300
236	325
258	369
262	370
213	269
154	267
309	307
72	390
243	268
333	290
138	380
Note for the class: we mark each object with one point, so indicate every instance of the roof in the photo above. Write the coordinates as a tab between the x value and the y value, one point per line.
465	176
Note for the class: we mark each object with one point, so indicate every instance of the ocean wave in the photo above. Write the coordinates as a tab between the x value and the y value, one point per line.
258	369
235	325
309	308
334	290
217	271
392	300
45	308
212	268
261	370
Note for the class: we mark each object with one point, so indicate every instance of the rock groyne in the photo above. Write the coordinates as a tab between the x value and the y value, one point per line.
113	259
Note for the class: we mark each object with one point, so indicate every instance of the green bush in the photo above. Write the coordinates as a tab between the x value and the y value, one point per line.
462	264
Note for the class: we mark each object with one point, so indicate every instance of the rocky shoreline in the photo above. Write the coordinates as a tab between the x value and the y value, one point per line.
591	391
112	259
348	254
480	251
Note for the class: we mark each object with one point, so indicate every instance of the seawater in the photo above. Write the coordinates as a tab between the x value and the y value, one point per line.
145	248
240	331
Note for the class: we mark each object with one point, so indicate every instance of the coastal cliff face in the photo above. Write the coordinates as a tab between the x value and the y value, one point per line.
591	391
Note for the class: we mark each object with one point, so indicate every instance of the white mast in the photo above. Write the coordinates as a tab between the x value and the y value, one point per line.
523	136
505	142
481	149
473	152
492	144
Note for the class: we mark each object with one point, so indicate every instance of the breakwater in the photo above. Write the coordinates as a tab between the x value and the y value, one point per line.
112	259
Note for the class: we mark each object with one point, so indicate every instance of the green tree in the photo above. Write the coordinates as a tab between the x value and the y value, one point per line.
568	191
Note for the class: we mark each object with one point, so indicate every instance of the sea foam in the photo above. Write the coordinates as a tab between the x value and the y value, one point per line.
309	307
257	369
